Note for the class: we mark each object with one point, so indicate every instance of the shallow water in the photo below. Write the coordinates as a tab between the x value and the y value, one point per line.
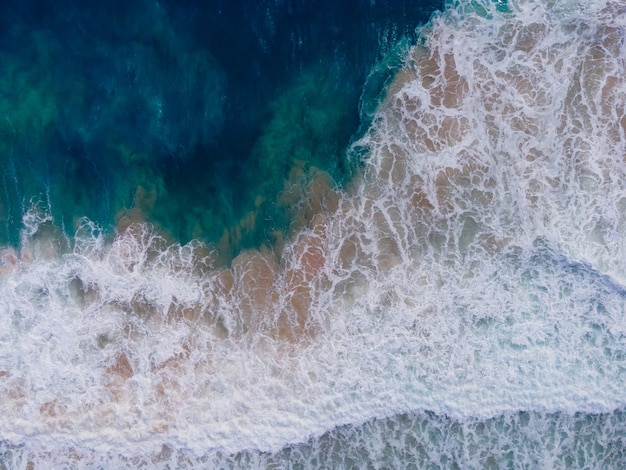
458	303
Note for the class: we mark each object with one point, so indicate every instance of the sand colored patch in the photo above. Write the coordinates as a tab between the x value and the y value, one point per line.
418	198
9	260
302	278
393	166
462	187
309	250
425	100
307	193
13	389
116	376
52	409
172	386
143	203
254	287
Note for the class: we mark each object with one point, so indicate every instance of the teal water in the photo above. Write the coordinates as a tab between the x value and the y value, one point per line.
190	115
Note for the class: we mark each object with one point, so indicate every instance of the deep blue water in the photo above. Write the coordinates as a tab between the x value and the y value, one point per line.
193	113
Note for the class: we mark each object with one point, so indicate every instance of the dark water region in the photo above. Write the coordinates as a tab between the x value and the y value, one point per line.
191	115
427	440
523	439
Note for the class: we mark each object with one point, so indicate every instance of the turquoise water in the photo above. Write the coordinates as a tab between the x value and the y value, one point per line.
172	109
375	243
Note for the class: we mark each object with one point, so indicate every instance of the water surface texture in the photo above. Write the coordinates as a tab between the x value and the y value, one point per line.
195	114
364	246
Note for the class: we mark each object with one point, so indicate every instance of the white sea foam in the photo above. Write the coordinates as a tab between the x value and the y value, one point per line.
474	269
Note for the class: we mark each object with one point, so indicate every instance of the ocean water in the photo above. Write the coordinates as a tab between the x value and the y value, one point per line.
164	111
402	253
